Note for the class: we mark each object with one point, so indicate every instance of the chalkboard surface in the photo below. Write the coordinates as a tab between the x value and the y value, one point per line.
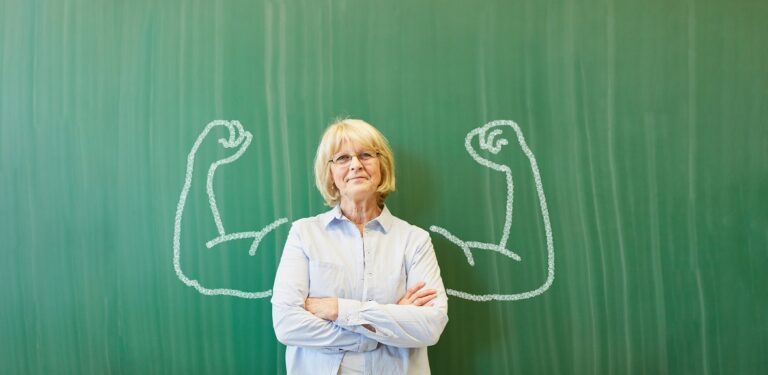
593	174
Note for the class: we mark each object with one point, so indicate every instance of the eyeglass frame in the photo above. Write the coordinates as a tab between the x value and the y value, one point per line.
373	155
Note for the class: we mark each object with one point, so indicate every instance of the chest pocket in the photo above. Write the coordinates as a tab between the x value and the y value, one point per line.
326	279
393	288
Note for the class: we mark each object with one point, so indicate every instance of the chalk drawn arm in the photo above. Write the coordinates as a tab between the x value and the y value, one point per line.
292	323
489	140
404	326
237	140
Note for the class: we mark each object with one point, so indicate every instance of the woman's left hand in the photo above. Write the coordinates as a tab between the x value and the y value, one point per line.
328	309
323	308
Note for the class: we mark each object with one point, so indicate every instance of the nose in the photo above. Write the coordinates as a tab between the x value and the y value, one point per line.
355	163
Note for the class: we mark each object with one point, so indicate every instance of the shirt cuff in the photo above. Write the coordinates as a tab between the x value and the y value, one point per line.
349	312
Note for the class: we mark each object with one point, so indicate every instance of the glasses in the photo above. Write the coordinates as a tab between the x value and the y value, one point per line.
365	157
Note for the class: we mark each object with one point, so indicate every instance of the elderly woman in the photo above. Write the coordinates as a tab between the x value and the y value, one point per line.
357	289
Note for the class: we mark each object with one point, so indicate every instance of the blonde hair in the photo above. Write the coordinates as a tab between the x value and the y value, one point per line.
356	132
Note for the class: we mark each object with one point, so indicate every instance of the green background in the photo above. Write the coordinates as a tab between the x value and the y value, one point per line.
647	120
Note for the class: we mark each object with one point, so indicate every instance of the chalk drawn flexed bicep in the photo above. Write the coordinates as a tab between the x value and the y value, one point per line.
492	138
239	139
488	139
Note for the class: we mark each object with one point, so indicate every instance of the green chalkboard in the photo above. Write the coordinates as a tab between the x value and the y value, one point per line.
593	174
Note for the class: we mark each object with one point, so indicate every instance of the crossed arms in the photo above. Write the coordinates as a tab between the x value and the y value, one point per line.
337	324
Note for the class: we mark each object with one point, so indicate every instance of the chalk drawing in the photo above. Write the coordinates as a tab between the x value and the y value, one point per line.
238	137
487	139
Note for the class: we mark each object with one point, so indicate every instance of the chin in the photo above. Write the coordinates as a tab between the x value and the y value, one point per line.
361	195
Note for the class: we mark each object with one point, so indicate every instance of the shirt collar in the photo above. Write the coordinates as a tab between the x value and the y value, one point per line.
384	220
333	215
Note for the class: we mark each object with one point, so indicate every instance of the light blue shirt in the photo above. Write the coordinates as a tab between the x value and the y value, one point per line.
326	256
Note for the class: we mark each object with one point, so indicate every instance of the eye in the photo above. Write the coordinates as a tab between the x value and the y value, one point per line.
342	159
365	155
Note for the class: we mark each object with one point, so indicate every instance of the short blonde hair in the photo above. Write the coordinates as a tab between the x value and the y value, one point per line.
360	133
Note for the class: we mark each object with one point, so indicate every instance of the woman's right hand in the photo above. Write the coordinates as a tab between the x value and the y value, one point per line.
415	296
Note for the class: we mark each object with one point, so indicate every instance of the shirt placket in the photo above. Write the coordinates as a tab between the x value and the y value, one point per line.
369	271
368	280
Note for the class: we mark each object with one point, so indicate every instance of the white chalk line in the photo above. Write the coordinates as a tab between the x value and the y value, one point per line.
238	137
466	246
490	143
257	236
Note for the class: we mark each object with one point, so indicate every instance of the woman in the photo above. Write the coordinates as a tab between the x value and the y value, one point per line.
357	289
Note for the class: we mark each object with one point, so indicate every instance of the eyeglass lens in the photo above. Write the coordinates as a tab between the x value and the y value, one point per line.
345	159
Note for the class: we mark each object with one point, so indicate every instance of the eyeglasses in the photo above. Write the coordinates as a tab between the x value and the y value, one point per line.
365	157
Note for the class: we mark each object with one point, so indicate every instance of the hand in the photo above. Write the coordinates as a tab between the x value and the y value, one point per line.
323	308
417	297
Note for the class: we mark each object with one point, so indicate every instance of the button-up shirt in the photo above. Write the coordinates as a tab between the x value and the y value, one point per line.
327	256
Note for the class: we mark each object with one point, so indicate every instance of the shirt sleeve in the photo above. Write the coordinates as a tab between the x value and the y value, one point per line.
404	326
292	323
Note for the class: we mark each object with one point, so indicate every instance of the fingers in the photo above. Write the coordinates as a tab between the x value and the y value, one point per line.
414	288
417	296
422	293
323	308
424	296
421	297
408	297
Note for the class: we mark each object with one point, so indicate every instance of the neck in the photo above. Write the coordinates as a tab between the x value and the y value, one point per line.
360	212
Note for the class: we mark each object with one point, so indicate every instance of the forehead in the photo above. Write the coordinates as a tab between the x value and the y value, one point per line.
347	145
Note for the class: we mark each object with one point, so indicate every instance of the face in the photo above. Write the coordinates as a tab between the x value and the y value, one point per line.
357	180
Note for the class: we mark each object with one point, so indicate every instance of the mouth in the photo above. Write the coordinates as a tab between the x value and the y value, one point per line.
356	178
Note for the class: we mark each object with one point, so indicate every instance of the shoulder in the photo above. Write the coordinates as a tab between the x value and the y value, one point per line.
414	232
415	241
305	222
315	223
